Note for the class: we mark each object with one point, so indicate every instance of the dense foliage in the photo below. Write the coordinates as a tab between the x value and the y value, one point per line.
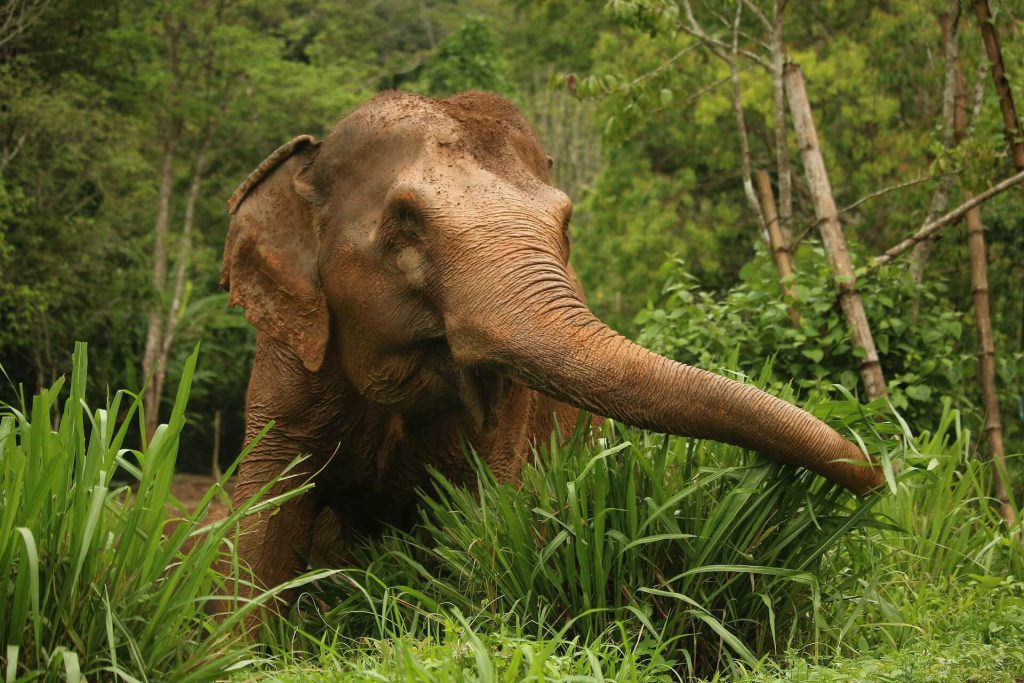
632	556
103	579
638	117
636	557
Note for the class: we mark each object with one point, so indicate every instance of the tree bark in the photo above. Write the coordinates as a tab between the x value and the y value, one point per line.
154	328
832	234
777	242
781	138
1011	123
948	22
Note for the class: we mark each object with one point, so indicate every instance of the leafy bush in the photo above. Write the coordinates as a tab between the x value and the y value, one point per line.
925	359
704	557
102	580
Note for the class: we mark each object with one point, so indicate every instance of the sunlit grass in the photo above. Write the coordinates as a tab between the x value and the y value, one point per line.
623	555
103	581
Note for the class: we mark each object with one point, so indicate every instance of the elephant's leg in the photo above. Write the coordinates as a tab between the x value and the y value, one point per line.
276	543
331	540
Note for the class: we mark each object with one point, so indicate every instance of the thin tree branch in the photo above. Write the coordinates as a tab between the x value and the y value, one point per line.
741	125
951	217
658	69
782	165
868	197
720	48
761	16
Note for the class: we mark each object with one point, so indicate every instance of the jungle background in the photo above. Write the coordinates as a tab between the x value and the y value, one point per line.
124	127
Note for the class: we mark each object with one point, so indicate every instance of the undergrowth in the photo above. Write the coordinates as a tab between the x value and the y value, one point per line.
623	555
103	580
695	558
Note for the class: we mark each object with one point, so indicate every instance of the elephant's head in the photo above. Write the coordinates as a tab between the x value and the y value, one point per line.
422	244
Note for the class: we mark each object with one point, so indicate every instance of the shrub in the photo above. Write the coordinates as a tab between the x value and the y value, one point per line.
100	580
925	359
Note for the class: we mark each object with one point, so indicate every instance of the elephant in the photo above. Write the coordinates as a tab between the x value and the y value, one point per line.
408	279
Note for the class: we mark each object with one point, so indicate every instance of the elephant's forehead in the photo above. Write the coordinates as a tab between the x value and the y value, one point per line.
485	128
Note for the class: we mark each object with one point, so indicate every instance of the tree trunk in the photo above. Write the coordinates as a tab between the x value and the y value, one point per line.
832	234
170	326
951	107
154	328
741	123
785	212
1011	124
777	242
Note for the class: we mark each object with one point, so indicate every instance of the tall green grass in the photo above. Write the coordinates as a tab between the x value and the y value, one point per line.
101	581
625	555
705	557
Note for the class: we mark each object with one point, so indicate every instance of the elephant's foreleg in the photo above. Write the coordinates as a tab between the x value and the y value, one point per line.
276	543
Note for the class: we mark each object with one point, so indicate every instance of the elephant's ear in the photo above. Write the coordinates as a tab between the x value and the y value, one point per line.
270	255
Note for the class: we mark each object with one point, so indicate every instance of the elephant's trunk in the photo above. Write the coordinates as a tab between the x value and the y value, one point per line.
537	325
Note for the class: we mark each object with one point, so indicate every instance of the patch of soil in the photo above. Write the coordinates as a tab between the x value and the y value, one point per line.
190	489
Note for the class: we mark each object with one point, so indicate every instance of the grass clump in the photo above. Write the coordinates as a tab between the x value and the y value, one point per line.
701	555
681	557
626	555
102	580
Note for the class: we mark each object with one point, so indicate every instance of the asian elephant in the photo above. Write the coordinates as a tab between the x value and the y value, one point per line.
409	281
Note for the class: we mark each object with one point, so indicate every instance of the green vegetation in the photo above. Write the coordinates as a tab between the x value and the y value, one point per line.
104	580
633	557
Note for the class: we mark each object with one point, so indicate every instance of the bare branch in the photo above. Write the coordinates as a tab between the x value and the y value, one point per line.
866	198
658	69
17	15
759	14
708	88
782	165
741	125
10	154
719	47
886	190
951	217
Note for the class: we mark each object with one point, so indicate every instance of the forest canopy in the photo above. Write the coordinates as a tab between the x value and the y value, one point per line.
125	126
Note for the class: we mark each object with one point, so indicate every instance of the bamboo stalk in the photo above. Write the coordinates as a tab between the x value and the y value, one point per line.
777	241
1011	122
832	233
987	361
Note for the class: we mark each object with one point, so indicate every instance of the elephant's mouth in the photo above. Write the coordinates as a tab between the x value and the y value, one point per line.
480	388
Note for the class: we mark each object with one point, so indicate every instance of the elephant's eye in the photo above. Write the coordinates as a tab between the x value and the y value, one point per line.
407	220
406	217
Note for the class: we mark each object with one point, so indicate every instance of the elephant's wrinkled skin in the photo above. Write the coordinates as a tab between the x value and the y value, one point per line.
408	281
